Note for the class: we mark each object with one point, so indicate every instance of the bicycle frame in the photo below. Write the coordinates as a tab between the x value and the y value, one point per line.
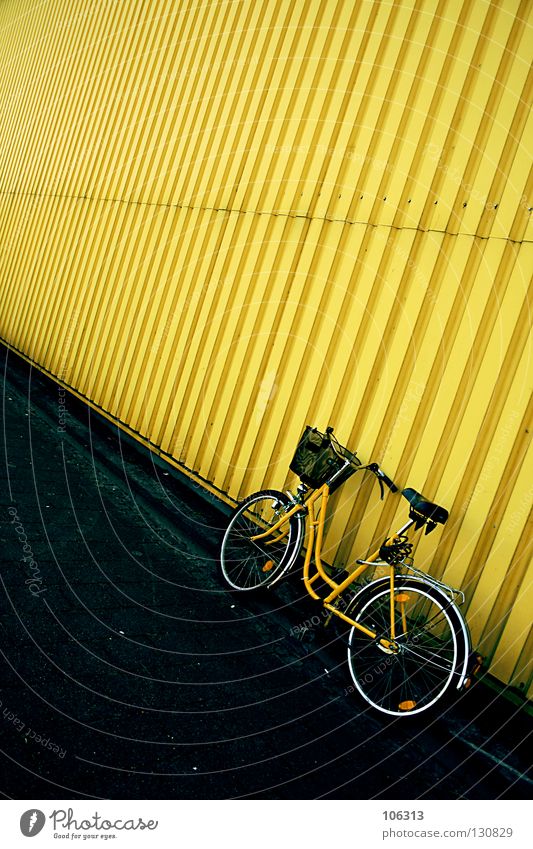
316	532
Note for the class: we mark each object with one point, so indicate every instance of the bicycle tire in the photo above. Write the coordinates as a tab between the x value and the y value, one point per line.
249	565
433	647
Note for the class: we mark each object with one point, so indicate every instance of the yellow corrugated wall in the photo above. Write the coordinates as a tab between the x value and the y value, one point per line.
220	221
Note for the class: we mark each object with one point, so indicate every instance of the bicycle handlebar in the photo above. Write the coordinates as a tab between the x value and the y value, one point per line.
382	477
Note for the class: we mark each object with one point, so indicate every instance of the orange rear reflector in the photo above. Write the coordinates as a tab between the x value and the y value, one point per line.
407	705
402	597
268	566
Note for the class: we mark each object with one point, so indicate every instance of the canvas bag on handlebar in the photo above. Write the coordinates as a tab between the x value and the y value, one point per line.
315	460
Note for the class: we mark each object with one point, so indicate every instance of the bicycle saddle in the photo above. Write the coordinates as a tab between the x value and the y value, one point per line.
425	508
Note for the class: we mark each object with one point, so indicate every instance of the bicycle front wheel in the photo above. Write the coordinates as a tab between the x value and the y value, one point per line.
249	563
429	652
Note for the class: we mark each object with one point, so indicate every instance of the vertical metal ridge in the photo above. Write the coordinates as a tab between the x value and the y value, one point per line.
499	644
492	423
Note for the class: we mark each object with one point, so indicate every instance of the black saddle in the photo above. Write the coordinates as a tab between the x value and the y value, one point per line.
422	507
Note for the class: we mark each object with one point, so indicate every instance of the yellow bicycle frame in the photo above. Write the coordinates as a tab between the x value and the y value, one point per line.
315	535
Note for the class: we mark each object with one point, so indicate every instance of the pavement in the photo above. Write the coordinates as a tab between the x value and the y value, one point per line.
130	672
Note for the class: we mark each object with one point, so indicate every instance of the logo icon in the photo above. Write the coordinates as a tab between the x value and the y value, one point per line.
32	822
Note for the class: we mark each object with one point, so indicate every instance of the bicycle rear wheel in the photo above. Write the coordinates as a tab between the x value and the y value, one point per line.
431	647
248	564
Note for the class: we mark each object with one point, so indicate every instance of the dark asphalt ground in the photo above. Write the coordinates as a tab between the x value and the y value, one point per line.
128	671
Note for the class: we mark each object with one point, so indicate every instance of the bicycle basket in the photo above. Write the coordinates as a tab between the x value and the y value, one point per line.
315	460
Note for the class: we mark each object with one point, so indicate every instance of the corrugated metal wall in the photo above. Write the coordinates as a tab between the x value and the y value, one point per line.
220	221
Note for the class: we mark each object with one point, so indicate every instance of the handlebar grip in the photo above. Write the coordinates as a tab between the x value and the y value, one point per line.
386	480
382	477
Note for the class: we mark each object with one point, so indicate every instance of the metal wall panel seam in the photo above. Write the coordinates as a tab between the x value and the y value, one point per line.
23	71
508	629
204	335
48	113
242	264
418	174
421	421
136	68
91	96
135	309
149	169
517	454
11	235
385	91
333	87
121	66
479	345
70	280
299	358
238	178
522	674
234	115
454	189
174	72
473	178
293	272
55	325
19	292
185	61
451	121
141	344
189	300
326	99
190	103
142	396
212	322
235	122
106	139
398	180
190	348
297	100
522	218
257	174
164	108
143	90
91	270
41	109
103	364
139	114
397	114
361	192
207	90
181	295
503	168
268	317
36	269
416	335
15	213
172	317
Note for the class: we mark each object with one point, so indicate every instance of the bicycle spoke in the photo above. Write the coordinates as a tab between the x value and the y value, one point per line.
422	668
249	563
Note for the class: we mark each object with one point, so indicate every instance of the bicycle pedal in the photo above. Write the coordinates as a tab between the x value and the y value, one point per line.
475	663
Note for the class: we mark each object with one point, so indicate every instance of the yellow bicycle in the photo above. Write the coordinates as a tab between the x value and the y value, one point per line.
408	644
